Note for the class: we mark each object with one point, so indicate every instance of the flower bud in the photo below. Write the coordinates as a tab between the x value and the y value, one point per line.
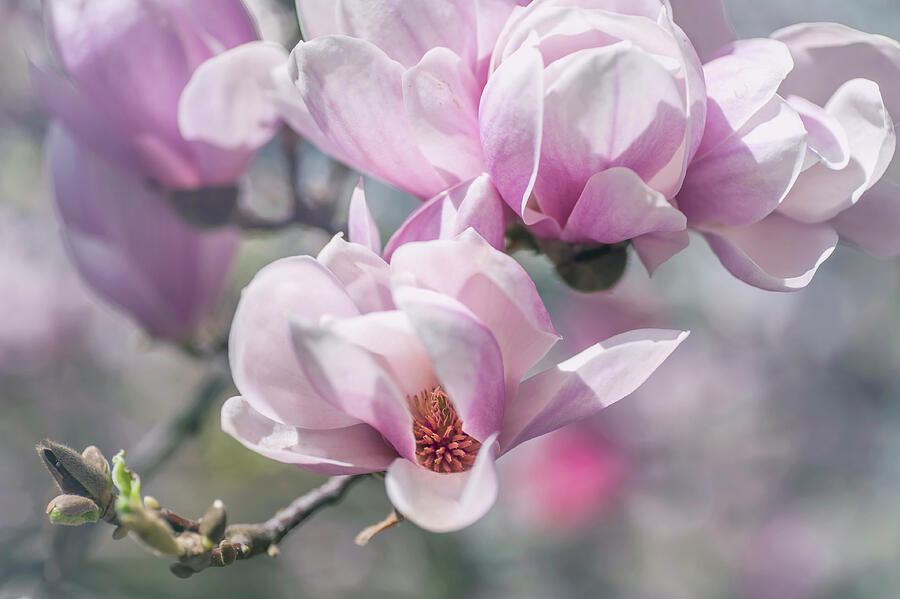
78	475
72	510
213	522
585	267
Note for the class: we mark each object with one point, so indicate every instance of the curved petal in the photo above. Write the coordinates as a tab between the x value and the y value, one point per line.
227	21
354	93
61	100
467	359
617	205
593	89
260	350
352	380
511	118
493	286
705	23
586	383
441	97
356	449
288	101
407	29
365	277
821	193
390	338
656	248
826	55
777	253
872	224
740	82
361	227
746	177
443	502
826	140
225	102
474	204
130	245
132	66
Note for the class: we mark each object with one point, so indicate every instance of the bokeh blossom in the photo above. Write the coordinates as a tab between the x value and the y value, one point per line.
349	364
122	147
564	481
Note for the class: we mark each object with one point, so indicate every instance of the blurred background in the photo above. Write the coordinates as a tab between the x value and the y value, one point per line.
762	461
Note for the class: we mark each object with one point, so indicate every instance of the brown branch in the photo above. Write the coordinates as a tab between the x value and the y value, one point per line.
90	492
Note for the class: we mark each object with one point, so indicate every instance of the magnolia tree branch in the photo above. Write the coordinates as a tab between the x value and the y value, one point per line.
91	491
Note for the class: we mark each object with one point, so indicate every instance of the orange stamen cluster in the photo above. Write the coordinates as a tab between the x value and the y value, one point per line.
441	443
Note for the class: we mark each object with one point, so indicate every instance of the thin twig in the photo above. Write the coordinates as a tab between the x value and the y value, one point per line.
286	520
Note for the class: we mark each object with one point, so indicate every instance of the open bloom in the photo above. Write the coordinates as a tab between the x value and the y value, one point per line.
582	116
349	364
772	227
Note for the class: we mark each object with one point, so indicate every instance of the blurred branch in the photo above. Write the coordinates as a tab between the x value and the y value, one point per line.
91	491
304	210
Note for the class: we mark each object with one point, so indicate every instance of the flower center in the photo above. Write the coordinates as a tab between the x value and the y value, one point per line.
441	443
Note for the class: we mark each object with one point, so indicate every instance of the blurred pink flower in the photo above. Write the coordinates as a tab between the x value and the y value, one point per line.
125	64
563	481
130	246
135	76
349	364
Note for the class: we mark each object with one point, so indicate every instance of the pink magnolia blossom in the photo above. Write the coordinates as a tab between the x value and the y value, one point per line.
125	65
350	364
773	228
466	120
590	117
593	121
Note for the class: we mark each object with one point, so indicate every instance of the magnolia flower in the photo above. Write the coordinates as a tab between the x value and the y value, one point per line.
590	116
467	119
130	67
349	364
125	65
774	231
131	247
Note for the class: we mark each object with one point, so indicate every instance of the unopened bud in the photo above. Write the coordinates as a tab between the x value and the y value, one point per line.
95	458
213	522
587	268
151	503
273	551
120	533
73	473
72	510
152	530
